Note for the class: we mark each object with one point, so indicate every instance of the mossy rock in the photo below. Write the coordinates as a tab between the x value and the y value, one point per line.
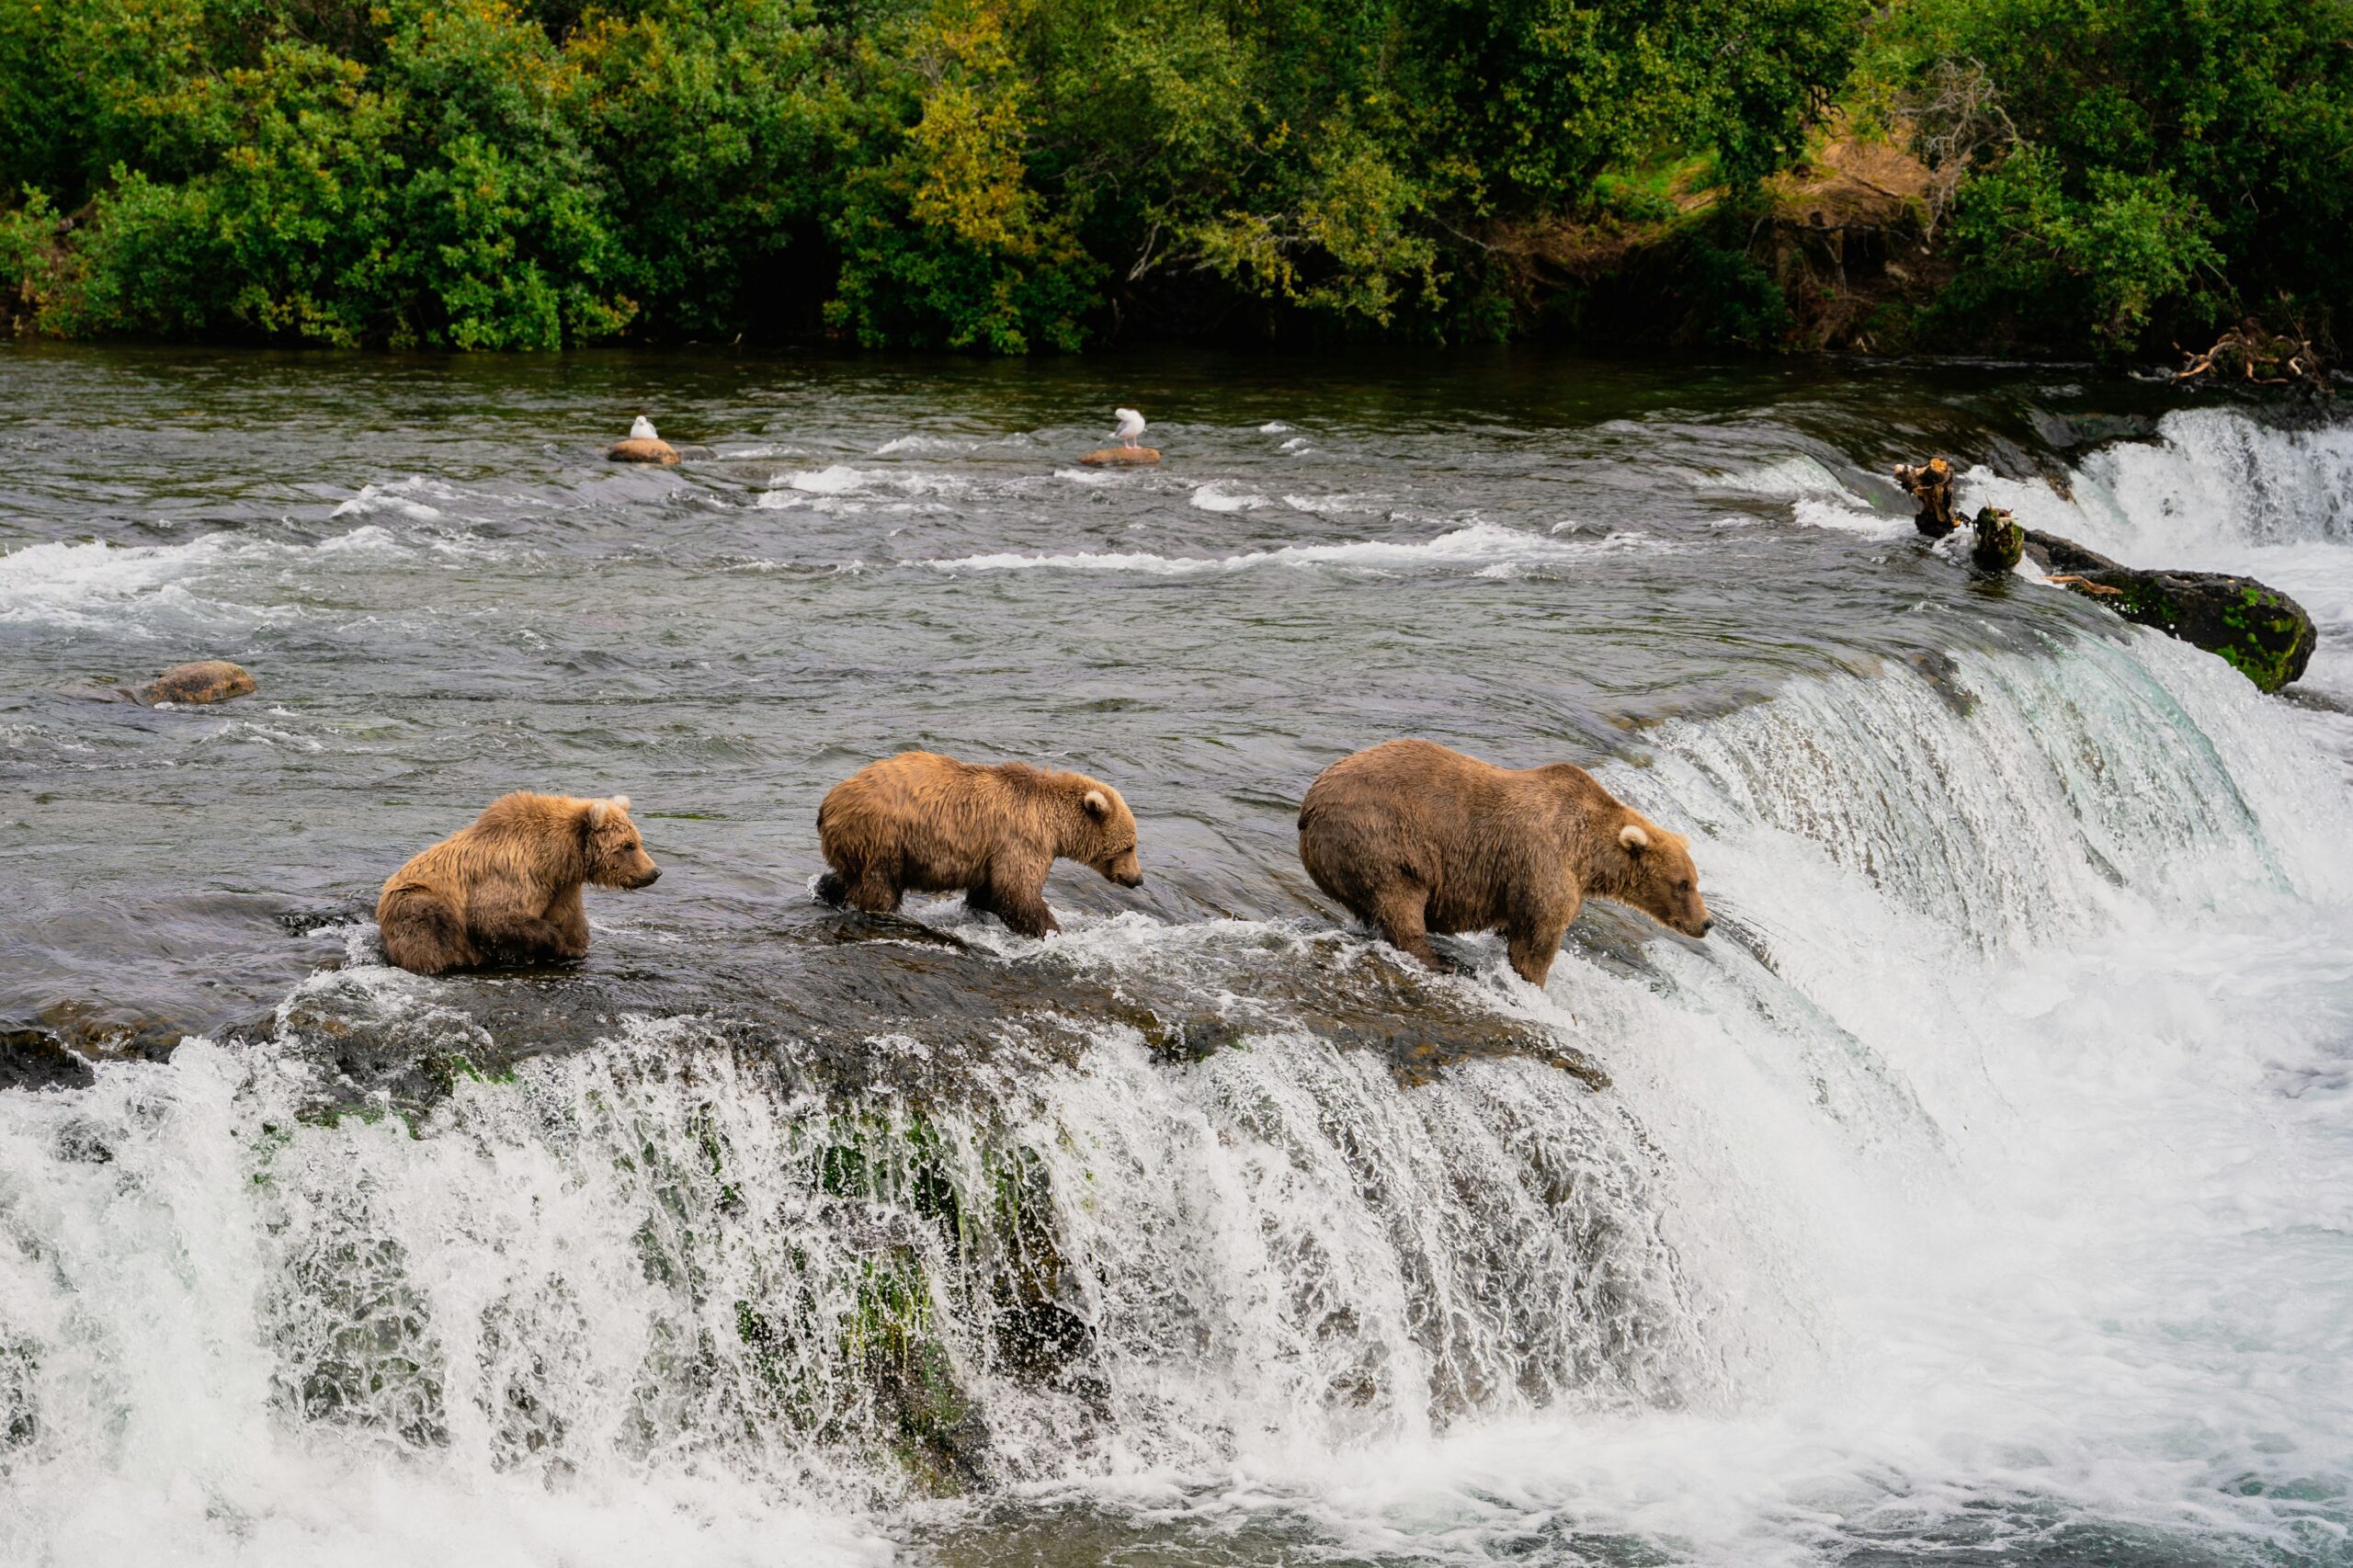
2265	634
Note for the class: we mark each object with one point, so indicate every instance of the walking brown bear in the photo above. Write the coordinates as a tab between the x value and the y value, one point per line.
922	822
1414	838
506	890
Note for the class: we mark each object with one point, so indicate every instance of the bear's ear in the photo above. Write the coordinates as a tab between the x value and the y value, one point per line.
1634	838
1098	805
620	802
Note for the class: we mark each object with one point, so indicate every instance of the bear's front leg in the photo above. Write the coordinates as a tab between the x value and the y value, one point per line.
1533	950
504	919
569	919
1023	911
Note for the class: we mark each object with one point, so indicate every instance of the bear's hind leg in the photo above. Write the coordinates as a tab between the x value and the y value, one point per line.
874	893
423	935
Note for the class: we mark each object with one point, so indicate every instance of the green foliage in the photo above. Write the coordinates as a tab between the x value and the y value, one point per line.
2177	161
1015	176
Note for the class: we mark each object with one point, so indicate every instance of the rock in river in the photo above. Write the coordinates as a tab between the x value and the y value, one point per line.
643	449
2265	634
207	680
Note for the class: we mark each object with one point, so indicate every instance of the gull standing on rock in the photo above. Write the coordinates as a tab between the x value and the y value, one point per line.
643	430
1131	426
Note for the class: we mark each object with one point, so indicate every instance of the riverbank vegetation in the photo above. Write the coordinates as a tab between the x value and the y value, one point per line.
2055	175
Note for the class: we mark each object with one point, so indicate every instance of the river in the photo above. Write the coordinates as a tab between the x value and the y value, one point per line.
1977	1193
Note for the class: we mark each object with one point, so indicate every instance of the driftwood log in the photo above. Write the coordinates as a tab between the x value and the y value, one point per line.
2253	354
2263	633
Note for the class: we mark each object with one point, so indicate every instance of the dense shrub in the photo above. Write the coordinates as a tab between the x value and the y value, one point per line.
2175	162
1016	175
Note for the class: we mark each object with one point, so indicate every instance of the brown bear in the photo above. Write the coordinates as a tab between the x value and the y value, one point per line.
1414	838
507	889
922	822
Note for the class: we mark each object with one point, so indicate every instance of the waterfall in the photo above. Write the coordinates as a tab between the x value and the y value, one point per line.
652	1278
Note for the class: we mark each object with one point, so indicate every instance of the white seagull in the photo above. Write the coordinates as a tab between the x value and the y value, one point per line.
1130	426
643	430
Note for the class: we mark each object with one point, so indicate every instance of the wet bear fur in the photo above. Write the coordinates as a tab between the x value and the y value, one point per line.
1414	838
507	889
922	822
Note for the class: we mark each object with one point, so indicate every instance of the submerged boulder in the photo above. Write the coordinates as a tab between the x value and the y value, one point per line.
207	680
2265	635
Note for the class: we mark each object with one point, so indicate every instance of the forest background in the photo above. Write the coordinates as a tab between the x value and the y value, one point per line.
2059	176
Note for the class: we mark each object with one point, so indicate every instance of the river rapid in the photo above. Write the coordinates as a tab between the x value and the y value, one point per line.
1978	1193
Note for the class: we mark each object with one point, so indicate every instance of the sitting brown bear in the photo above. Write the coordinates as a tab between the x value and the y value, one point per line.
507	889
1415	839
922	822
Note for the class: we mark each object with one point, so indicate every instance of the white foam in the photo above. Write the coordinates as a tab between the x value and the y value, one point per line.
399	498
1847	517
943	445
1274	428
1213	497
1472	545
1789	477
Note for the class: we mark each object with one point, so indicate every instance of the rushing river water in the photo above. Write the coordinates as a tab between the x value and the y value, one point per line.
1978	1193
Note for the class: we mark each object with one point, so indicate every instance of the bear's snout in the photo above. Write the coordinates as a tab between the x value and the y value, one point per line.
653	875
1124	870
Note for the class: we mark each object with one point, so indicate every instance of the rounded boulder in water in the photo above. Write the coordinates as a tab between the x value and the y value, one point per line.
1116	457
643	449
206	680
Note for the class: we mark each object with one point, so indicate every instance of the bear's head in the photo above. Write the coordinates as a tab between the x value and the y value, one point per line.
1107	836
617	856
1655	875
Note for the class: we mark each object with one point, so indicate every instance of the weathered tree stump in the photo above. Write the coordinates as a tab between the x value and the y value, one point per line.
207	680
1120	457
1931	486
2000	542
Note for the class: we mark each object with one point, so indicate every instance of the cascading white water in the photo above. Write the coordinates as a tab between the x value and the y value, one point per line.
1962	1171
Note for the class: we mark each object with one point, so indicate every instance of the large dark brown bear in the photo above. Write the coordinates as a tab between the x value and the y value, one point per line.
507	889
922	822
1415	839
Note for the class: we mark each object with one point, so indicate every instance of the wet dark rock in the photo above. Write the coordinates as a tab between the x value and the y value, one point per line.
36	1059
206	680
2264	634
